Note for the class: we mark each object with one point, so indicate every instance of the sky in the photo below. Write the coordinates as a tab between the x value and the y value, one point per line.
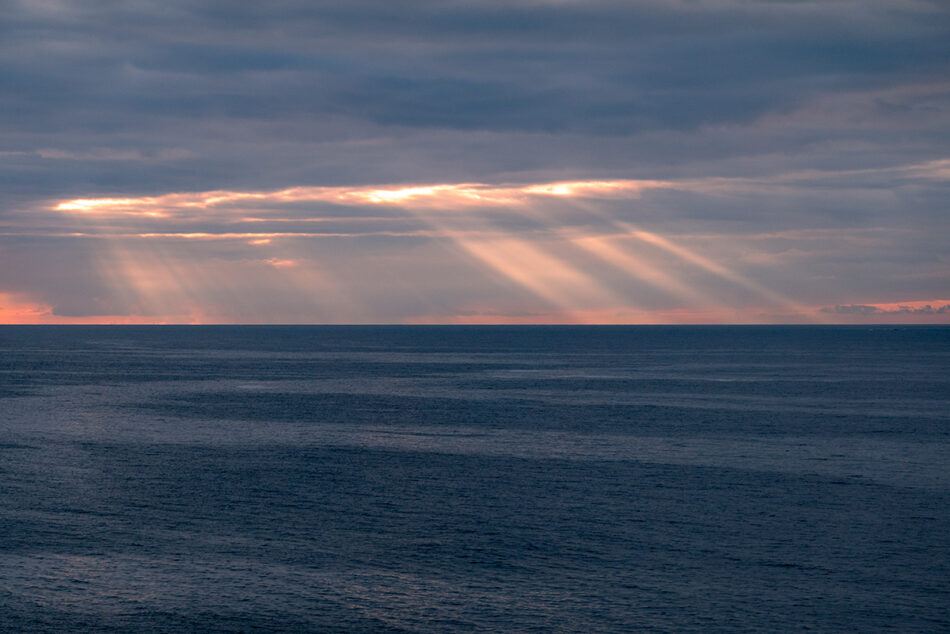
476	162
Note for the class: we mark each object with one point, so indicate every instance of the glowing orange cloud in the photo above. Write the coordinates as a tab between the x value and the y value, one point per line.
17	309
919	305
279	263
452	195
456	195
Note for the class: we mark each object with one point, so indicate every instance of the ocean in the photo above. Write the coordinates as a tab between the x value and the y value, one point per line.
421	479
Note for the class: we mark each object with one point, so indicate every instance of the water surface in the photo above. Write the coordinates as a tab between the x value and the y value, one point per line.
470	478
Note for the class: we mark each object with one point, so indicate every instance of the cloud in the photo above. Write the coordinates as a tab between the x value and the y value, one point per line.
202	77
389	150
863	309
852	309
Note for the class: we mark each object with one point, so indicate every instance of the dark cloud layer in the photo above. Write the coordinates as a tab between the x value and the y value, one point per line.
179	81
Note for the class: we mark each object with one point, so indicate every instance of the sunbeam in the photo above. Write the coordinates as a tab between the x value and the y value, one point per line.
715	268
640	268
552	240
551	278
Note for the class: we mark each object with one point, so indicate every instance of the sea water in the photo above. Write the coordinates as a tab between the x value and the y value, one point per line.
474	478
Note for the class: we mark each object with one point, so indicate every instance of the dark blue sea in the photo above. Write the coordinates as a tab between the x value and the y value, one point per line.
423	479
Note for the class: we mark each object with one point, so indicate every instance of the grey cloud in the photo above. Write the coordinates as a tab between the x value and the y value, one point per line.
851	309
859	309
602	68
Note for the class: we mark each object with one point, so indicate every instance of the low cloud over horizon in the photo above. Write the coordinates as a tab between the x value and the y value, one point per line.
666	161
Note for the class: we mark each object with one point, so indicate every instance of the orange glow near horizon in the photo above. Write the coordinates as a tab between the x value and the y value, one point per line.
18	310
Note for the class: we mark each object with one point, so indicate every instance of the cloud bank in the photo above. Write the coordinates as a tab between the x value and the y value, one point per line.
370	161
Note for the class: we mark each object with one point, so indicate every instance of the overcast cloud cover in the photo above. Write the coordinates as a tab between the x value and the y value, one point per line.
781	161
